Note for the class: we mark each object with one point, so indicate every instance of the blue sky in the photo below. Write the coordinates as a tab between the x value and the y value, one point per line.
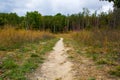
51	7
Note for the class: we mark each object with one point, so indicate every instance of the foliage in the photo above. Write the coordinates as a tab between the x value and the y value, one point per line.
59	23
62	23
33	20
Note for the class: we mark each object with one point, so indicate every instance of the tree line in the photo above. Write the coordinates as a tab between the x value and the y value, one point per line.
63	23
60	23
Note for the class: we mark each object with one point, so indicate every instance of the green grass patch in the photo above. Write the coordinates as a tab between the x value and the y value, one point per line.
102	61
9	63
115	71
25	59
92	78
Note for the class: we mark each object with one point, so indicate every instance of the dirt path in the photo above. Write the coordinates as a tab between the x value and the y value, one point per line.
56	67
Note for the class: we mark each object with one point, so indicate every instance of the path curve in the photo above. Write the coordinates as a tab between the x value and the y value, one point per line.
57	66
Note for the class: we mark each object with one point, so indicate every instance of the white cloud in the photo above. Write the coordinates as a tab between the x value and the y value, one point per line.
47	7
107	7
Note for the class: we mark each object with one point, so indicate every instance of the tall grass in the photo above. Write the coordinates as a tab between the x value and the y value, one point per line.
13	38
99	38
102	45
21	51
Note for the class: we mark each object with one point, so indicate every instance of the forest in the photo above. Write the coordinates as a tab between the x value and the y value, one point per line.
62	23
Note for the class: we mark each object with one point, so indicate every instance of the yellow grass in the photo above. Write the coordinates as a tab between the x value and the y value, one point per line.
98	37
10	37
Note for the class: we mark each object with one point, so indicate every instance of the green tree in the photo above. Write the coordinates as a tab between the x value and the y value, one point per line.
47	22
33	20
1	22
58	23
13	19
9	19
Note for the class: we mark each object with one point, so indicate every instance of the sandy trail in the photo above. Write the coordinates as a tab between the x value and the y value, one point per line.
56	67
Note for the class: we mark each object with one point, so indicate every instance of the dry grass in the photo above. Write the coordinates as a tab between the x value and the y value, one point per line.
21	51
103	46
12	38
95	51
99	38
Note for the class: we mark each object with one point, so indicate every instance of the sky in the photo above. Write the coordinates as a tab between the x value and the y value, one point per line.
52	7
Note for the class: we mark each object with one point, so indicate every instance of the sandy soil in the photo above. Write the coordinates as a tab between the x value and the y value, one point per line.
56	67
